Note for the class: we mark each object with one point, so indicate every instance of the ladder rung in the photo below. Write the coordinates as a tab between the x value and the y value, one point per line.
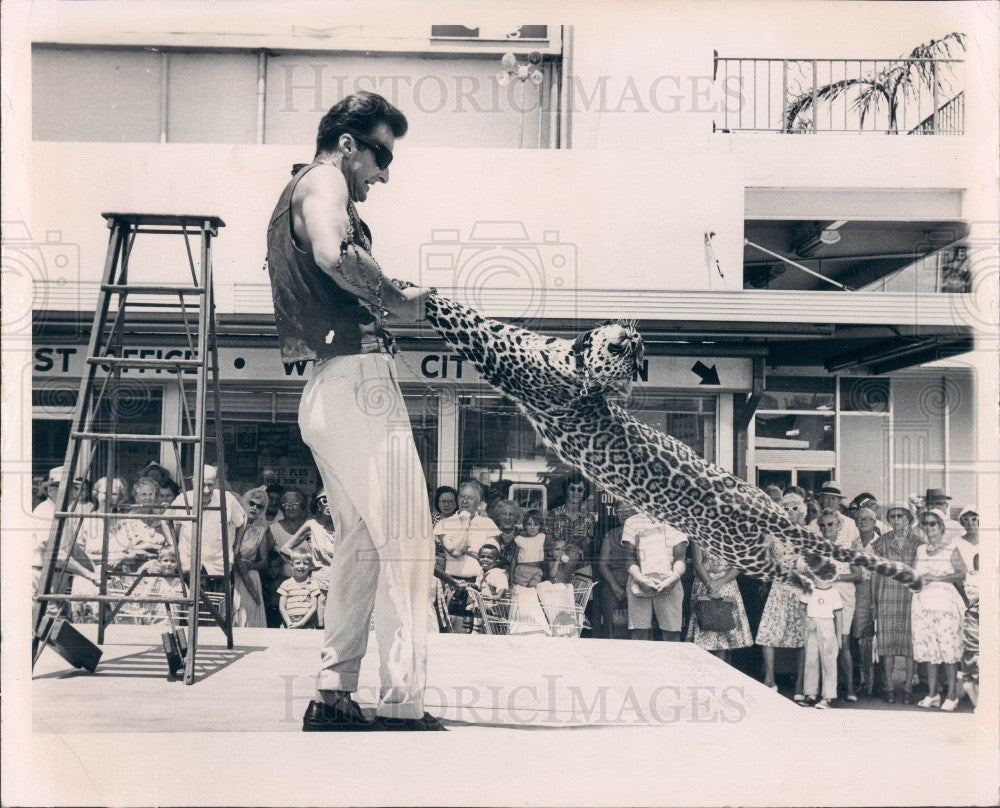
129	306
131	288
112	599
164	219
124	515
204	508
152	364
136	438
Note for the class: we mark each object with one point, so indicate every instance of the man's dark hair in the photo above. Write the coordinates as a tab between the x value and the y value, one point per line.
576	479
358	113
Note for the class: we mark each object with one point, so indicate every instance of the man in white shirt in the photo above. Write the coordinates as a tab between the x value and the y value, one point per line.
656	561
75	561
465	532
211	527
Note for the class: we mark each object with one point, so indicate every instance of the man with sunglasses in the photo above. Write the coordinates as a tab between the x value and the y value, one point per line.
330	298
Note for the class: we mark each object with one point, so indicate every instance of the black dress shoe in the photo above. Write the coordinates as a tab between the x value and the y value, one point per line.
426	724
344	717
907	698
890	698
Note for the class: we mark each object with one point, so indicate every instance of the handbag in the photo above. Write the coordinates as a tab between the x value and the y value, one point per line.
715	614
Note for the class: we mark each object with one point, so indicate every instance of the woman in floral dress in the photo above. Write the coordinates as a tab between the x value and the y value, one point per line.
714	578
782	624
938	609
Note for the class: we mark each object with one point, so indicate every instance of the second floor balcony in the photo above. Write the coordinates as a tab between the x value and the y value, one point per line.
915	257
920	94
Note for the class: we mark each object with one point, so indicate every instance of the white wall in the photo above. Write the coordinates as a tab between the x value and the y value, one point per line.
628	223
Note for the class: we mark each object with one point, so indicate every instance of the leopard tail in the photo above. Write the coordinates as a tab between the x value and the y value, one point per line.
869	561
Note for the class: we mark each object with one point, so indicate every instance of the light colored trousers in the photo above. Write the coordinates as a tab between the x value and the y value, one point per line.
353	418
822	648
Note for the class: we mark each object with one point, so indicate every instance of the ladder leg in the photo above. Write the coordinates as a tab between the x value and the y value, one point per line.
227	561
199	476
57	529
93	408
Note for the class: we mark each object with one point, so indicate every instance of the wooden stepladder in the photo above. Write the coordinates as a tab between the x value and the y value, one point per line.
95	439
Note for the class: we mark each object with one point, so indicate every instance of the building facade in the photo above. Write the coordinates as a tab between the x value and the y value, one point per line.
805	276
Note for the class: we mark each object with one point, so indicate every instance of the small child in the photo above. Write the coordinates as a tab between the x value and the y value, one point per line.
299	595
162	580
531	551
492	581
824	632
164	564
564	559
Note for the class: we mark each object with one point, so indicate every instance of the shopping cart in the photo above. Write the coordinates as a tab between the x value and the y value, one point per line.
555	611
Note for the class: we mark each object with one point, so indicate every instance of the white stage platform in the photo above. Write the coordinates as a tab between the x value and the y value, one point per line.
531	720
265	682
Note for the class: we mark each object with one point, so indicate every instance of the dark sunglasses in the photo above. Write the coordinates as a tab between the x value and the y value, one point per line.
382	155
930	523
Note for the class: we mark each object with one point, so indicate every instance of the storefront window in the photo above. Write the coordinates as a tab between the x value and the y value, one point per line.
260	430
690	419
797	393
797	413
134	409
783	431
497	443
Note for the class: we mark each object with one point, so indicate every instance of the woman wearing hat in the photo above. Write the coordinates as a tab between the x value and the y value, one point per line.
938	609
891	601
782	624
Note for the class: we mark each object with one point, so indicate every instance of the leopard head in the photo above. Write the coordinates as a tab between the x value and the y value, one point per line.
608	356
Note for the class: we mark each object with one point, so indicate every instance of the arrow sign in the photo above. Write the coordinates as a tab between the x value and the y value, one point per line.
708	375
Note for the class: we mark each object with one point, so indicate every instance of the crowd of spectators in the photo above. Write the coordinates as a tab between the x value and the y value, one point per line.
652	582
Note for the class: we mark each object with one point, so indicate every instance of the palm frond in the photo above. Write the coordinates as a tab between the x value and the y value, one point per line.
919	69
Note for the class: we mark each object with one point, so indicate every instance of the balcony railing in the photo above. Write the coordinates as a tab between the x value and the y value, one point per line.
807	96
948	119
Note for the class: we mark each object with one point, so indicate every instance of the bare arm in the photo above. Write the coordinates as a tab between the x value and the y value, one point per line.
322	228
282	607
456	544
960	570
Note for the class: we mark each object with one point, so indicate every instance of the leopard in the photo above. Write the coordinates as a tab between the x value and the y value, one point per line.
575	393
